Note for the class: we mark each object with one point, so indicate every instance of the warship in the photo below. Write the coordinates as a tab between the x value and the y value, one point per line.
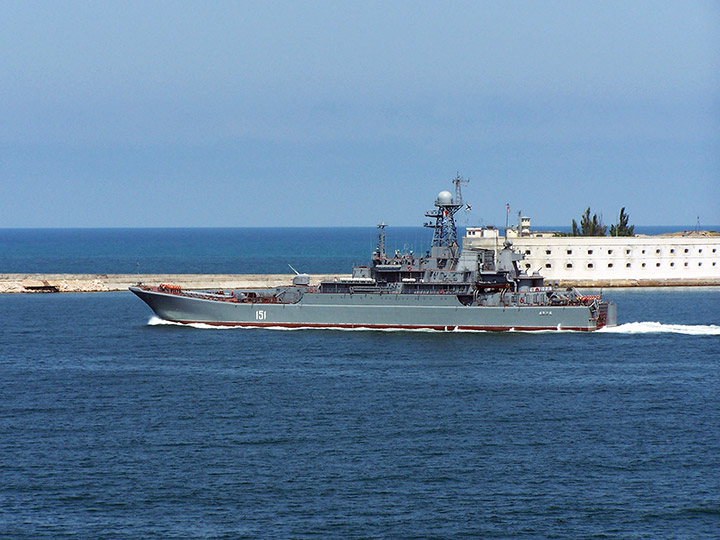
446	288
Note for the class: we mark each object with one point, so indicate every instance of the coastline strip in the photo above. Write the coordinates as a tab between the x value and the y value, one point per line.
45	283
37	283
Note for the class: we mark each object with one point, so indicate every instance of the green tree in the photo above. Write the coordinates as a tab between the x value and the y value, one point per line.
622	228
589	226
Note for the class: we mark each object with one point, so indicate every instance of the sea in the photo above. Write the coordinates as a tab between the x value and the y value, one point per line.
116	425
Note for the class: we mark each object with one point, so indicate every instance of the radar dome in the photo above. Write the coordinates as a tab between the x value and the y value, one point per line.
444	197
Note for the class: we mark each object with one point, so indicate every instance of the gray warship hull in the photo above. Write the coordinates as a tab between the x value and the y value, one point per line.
372	311
444	289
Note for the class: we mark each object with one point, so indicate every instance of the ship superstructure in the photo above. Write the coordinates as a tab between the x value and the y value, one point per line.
443	289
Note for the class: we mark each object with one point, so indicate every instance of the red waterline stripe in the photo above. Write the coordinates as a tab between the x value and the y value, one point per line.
390	326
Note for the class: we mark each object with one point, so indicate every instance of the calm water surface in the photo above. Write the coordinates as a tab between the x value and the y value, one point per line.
111	427
211	251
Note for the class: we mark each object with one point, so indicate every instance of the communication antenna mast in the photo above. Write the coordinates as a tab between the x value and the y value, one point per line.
444	229
459	181
381	240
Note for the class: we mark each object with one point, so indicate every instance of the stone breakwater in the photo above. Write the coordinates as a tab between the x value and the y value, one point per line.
38	283
45	283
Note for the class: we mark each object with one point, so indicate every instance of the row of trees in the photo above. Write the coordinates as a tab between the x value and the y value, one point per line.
593	226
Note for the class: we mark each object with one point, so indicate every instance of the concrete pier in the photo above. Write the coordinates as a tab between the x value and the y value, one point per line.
28	283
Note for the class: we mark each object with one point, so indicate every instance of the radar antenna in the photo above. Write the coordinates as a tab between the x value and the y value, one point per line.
445	231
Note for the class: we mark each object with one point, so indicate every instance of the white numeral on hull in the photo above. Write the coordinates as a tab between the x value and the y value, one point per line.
260	315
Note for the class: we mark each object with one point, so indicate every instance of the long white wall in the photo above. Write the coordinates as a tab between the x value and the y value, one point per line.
649	260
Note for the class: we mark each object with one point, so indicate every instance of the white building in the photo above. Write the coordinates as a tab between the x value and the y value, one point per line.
692	259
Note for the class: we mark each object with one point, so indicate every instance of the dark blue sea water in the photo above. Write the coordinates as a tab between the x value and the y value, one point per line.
215	251
113	426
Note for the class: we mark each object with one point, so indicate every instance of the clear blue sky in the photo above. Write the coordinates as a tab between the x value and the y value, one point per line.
153	114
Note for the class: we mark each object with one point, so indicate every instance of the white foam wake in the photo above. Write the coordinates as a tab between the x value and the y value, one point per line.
660	328
157	321
627	328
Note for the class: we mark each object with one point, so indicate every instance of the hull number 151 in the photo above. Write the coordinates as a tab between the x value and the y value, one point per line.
260	315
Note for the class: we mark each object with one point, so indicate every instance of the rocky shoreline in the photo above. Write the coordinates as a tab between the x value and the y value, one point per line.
46	283
50	283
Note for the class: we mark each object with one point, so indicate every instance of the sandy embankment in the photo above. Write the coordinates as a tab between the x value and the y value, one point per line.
23	283
29	283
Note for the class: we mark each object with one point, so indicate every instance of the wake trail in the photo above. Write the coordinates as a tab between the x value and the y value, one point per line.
648	327
645	327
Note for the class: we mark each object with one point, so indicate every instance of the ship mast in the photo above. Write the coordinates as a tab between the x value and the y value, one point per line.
380	251
445	231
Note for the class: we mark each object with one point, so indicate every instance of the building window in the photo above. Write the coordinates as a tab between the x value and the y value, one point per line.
714	250
548	252
569	251
527	252
627	252
591	265
672	264
610	265
643	265
685	264
657	251
672	251
527	266
568	265
700	250
713	264
548	265
628	265
686	250
699	264
590	251
657	264
609	251
643	252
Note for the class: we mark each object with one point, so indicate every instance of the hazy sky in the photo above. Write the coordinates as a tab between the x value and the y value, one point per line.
138	114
